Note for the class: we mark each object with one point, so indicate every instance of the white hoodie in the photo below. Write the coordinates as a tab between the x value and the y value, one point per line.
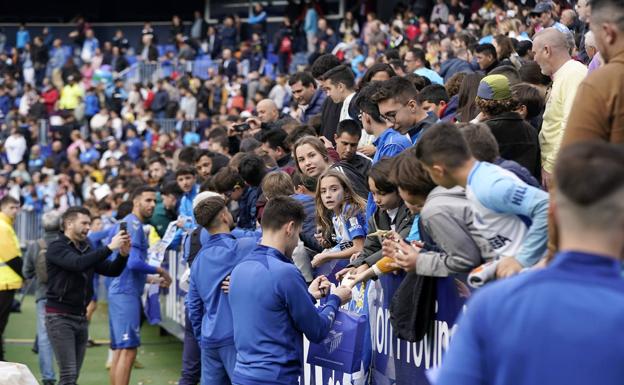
15	147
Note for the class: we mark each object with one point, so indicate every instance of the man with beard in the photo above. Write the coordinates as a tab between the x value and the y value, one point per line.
124	295
71	263
208	307
158	172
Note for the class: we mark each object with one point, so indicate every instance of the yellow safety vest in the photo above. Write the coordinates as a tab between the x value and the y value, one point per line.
9	249
153	236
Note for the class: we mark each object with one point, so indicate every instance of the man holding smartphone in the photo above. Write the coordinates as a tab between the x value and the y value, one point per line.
71	264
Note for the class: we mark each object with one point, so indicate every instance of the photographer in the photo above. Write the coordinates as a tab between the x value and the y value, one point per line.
268	117
71	264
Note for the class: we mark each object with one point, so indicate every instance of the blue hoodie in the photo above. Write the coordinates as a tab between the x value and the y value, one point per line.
208	307
92	104
135	148
271	308
204	237
89	156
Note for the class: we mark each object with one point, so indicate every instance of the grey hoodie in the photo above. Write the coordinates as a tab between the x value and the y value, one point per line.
30	258
447	217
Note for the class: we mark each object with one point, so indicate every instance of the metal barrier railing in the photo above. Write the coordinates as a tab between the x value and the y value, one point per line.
150	72
28	226
168	125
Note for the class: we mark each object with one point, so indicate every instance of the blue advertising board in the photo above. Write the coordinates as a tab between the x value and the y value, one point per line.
395	361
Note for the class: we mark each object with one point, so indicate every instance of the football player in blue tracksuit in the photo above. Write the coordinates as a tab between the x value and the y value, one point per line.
208	306
271	305
124	296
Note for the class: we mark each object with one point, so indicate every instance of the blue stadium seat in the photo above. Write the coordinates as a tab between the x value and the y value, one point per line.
269	70
131	59
272	58
164	48
200	68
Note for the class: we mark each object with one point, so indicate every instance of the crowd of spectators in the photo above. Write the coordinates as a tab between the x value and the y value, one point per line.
102	129
461	96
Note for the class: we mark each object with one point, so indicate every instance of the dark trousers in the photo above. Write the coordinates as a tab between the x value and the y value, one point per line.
6	301
191	356
68	335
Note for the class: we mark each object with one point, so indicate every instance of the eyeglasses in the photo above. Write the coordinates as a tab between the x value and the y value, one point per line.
390	117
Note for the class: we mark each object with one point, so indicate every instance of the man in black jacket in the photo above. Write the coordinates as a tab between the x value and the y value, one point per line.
330	111
71	264
161	99
517	139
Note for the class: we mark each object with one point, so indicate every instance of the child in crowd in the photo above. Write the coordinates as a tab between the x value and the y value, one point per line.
340	216
391	214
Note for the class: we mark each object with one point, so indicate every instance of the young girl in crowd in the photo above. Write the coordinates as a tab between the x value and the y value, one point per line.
340	217
313	158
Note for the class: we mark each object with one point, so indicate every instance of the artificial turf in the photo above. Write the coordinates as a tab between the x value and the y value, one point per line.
161	356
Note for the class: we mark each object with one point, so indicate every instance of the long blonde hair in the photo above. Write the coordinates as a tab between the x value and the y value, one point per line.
350	198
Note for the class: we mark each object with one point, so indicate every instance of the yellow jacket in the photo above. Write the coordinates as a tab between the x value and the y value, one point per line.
153	236
69	96
9	249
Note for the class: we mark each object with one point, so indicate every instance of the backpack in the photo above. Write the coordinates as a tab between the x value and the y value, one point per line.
195	245
412	308
41	268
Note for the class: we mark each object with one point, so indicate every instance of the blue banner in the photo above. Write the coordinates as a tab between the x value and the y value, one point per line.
396	361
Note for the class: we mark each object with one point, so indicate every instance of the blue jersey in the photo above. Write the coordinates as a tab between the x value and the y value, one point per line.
208	307
132	280
347	228
271	309
389	144
558	325
98	238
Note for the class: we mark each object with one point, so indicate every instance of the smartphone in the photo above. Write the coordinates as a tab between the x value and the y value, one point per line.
241	127
123	226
